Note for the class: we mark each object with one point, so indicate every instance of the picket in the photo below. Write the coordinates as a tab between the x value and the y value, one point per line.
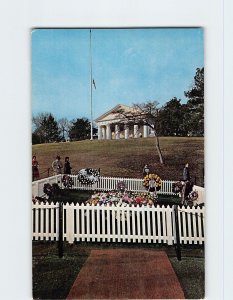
104	184
118	223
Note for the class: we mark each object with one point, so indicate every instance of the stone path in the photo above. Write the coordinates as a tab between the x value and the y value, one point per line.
127	274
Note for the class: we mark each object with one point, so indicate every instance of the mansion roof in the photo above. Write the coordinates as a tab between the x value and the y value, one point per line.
114	113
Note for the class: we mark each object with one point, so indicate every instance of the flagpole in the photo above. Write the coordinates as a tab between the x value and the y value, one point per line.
91	89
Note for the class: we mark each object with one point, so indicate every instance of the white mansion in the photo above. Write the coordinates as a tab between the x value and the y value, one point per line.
113	125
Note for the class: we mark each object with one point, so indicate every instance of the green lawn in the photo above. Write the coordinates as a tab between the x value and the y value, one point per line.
126	158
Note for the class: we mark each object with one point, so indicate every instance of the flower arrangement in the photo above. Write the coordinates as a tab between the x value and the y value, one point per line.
157	179
51	190
48	190
88	176
177	187
121	186
67	181
121	198
193	195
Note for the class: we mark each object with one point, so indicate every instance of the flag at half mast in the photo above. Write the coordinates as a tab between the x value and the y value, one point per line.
93	81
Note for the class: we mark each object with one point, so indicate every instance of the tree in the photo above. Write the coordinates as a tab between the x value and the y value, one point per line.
46	128
64	127
194	118
36	127
171	116
80	129
145	114
35	139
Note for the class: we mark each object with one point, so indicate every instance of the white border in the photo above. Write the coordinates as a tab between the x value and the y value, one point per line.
17	18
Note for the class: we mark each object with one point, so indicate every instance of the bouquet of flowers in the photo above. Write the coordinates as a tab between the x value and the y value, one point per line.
88	176
122	198
177	187
121	186
193	195
67	181
157	179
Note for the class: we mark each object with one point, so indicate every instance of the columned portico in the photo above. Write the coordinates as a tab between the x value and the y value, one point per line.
110	125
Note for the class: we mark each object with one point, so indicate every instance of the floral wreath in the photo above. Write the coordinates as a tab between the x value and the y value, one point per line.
177	187
158	181
121	185
88	176
67	181
193	195
48	189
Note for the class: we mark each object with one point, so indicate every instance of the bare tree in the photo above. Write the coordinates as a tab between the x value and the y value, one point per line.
146	113
37	127
64	126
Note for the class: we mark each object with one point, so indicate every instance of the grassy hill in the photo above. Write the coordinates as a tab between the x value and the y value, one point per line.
126	158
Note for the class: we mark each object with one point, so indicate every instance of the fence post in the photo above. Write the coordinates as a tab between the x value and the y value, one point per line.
177	230
60	240
70	223
169	225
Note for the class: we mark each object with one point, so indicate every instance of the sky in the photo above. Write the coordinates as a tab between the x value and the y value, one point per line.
128	66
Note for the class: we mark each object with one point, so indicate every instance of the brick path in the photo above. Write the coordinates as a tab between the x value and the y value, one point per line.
126	274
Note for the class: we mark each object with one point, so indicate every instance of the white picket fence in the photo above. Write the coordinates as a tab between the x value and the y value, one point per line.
132	184
38	185
104	184
136	224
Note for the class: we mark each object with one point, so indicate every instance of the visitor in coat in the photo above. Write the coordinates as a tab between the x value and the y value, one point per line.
152	187
57	166
35	168
187	186
67	167
186	174
146	170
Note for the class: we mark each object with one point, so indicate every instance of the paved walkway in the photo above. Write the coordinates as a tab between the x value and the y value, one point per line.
126	274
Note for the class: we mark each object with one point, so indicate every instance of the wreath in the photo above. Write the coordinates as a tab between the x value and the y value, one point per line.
177	187
157	179
121	186
88	176
51	190
67	181
193	195
48	190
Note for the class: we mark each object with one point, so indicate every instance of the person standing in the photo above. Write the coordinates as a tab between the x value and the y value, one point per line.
146	170
57	166
186	174
35	168
187	187
67	167
152	187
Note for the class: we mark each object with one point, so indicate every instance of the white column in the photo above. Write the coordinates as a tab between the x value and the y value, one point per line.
135	131
108	132
145	131
99	133
117	132
152	133
104	132
126	131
